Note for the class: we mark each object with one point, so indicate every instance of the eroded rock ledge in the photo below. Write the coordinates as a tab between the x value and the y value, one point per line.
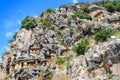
33	53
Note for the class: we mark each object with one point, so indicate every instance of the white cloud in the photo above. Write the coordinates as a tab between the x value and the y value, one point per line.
9	34
75	1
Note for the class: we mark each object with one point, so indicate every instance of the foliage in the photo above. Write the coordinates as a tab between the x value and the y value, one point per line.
10	41
117	33
63	6
59	33
117	7
50	76
69	23
15	35
81	47
29	23
98	3
102	2
68	64
110	7
85	7
103	35
109	76
70	27
44	20
49	10
60	61
69	57
81	15
79	3
46	23
98	79
13	38
42	72
52	27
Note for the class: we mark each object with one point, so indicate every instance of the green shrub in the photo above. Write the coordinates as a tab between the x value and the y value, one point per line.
15	35
44	20
85	7
50	76
81	47
60	61
117	7
69	23
98	79
13	38
59	33
81	15
109	76
69	57
97	3
79	3
102	2
103	35
46	23
52	27
29	23
110	7
42	72
10	41
49	10
63	6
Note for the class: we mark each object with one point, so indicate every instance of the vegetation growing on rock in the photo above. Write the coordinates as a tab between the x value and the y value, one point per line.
60	61
110	7
81	47
29	23
49	10
49	49
82	15
102	35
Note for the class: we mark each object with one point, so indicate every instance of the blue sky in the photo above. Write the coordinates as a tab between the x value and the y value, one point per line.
12	12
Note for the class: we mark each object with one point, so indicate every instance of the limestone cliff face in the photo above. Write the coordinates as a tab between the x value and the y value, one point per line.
45	51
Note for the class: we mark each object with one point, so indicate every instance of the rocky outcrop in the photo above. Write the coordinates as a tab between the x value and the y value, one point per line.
97	61
31	52
113	51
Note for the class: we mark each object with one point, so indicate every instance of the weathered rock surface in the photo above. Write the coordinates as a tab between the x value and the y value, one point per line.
31	52
98	60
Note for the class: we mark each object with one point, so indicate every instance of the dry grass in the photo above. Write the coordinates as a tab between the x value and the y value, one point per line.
63	77
39	77
117	34
91	41
3	79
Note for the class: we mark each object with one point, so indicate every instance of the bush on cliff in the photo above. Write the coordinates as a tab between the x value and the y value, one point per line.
81	47
103	35
49	10
60	61
81	15
110	7
29	23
